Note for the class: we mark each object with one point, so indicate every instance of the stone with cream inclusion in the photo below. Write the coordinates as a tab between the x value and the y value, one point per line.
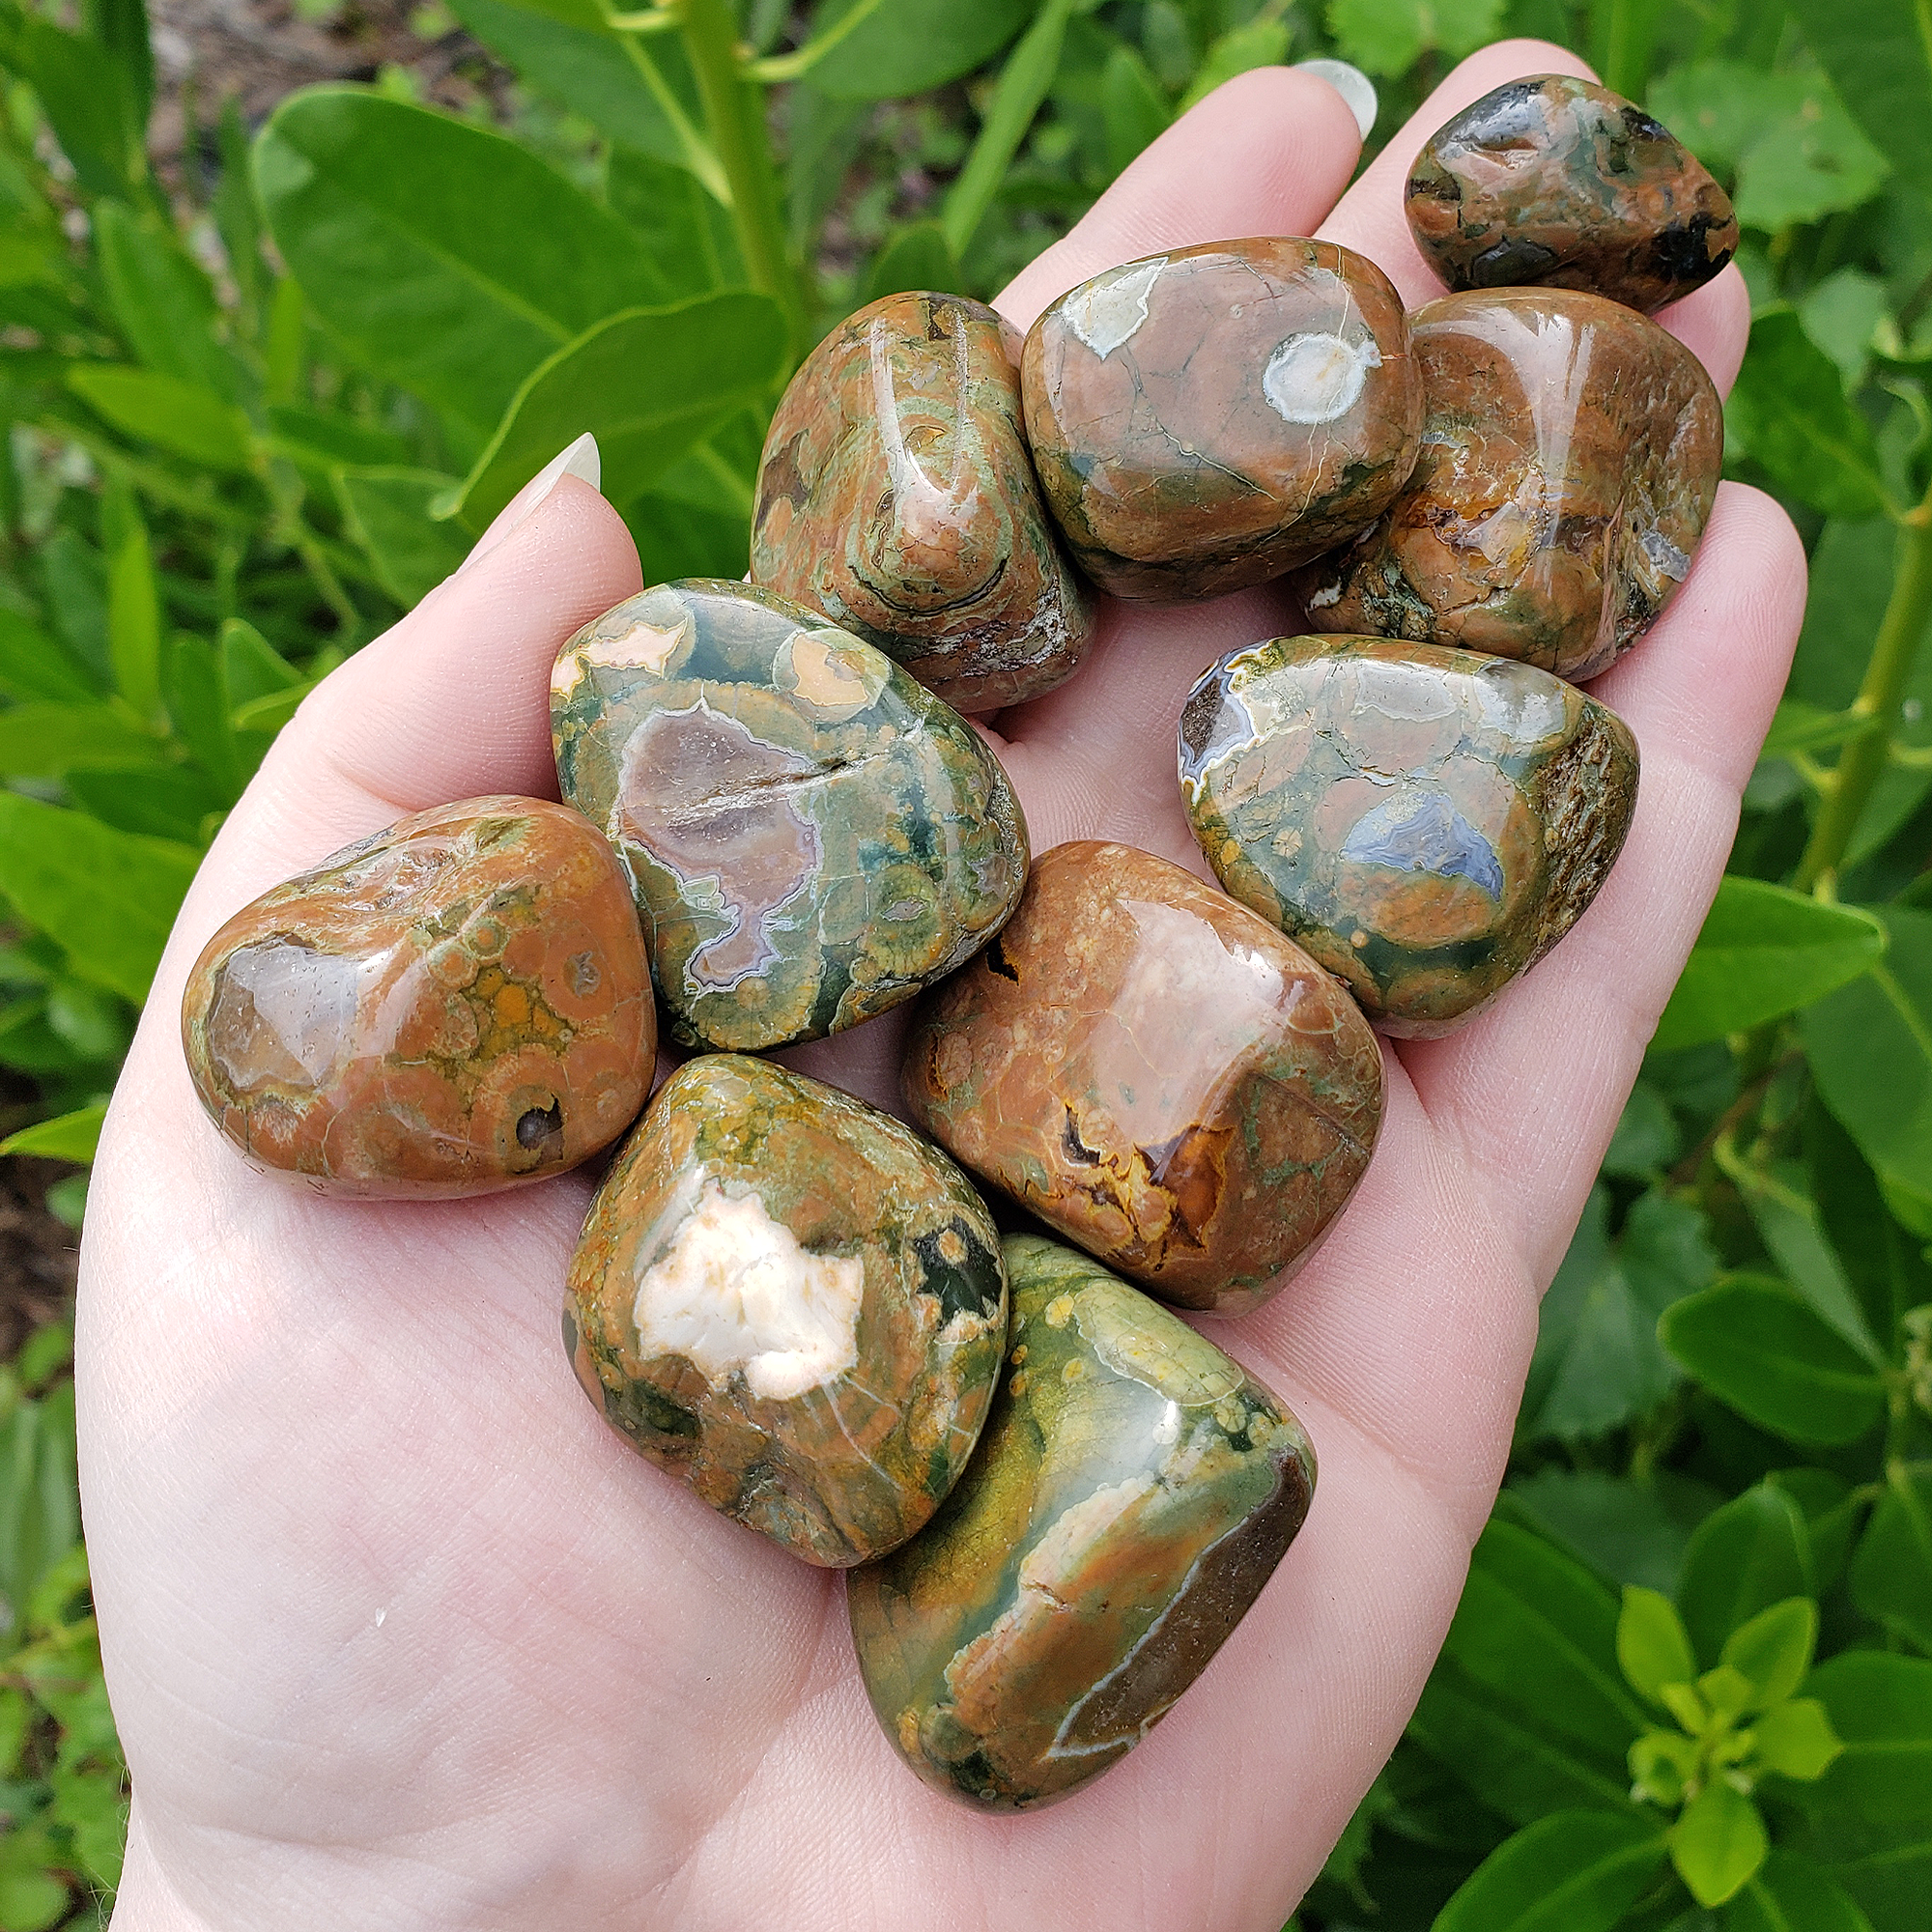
1427	823
1213	417
1134	1492
792	1303
811	835
457	1003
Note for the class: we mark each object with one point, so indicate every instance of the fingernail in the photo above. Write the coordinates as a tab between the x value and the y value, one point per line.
1350	83
580	459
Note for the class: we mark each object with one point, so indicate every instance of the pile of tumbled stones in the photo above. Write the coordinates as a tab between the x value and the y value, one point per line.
1059	1496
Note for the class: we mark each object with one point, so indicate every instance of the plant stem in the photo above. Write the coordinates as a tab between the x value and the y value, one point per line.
1879	699
735	112
802	60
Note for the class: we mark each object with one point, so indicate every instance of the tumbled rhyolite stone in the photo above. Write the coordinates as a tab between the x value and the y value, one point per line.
896	494
1426	823
790	1301
1210	418
812	835
1133	1491
458	1004
1155	1072
1569	465
1557	180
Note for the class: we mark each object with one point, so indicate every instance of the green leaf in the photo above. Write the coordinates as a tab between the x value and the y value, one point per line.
1387	37
183	419
34	665
1754	1345
1133	110
198	708
1870	1048
1744	1557
42	741
1717	1843
69	1137
1764	950
1892	1573
1653	1646
87	104
1881	1268
649	382
1629	1531
1261	42
162	301
1831	1513
134	625
1538	1629
1661	1764
321	438
1515	1763
109	899
1877	54
388	513
157	801
1796	1740
93	1808
916	256
1789	411
1773	1650
1646	1139
1880	1708
1577	1871
1789	1223
900	50
448	257
1788	1893
685	232
250	664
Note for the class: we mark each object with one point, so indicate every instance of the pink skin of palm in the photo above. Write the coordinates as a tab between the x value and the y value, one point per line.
398	1633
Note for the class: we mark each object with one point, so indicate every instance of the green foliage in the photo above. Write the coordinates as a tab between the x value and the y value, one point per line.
257	416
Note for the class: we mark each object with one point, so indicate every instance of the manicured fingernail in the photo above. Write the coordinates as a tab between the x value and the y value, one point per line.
579	459
1350	83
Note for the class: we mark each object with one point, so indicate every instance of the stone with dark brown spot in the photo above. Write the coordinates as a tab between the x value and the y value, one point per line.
811	835
1154	1072
1210	418
791	1303
1132	1494
1427	823
458	1004
1569	465
1558	182
896	494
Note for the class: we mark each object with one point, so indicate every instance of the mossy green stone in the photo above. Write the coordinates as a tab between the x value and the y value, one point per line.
812	835
1132	1493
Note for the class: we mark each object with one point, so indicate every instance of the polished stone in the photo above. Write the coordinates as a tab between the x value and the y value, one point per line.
1558	182
897	496
793	1304
1569	465
1210	418
1157	1073
1133	1492
1428	823
812	835
458	1004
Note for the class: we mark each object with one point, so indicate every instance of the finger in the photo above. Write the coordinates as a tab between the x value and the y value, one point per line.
1265	153
1564	1043
1370	218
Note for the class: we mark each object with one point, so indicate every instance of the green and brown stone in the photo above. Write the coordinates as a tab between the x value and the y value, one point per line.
791	1303
1569	465
1132	1494
1428	823
812	835
896	494
1154	1072
457	1003
1210	418
1558	182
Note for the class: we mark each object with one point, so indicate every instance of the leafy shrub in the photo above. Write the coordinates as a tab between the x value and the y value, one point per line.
257	412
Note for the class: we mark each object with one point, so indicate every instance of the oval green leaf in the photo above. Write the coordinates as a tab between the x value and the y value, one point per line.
1791	1894
1717	1843
896	49
1789	411
1574	1871
1744	1557
183	419
1892	1570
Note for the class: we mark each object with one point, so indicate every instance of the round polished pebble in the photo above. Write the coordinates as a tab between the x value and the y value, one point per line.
1569	465
1428	823
1557	180
1210	418
458	1004
1157	1073
896	494
1133	1492
790	1302
812	835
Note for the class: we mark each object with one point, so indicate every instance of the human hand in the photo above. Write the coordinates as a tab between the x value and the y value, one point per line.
399	1633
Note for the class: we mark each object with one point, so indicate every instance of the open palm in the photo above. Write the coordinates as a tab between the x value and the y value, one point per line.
400	1634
